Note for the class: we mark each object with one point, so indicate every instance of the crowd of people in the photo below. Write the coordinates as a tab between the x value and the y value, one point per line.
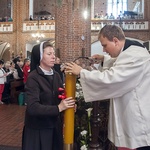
6	19
110	16
42	17
10	71
106	16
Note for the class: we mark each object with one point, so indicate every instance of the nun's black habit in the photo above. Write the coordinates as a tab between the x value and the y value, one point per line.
43	126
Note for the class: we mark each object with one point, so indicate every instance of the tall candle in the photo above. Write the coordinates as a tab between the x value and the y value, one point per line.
70	87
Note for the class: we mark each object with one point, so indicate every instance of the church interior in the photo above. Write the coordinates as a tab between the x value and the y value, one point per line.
72	26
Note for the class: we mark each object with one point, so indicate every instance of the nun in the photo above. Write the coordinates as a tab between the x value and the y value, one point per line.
43	117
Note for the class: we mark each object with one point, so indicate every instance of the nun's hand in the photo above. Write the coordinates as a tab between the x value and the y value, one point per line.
66	103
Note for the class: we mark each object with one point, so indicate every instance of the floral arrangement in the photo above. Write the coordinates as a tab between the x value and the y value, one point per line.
82	119
79	92
82	122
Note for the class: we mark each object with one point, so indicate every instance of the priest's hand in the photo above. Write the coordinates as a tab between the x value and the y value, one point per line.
72	68
97	58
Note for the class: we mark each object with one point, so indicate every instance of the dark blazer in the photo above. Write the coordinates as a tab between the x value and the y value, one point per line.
42	99
43	124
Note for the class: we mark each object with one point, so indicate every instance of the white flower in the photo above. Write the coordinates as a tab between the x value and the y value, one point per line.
89	111
89	115
83	147
84	132
78	86
79	92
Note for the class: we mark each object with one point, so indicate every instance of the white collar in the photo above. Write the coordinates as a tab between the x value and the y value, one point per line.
47	72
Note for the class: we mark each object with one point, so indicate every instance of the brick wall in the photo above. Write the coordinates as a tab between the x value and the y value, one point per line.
100	6
70	26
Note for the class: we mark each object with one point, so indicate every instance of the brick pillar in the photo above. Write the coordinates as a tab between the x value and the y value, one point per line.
73	32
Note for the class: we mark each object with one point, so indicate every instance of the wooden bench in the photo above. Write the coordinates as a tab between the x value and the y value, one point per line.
16	87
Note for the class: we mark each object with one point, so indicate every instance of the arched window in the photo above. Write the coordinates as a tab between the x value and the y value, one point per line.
116	7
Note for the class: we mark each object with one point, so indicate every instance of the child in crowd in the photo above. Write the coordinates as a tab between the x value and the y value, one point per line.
3	75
